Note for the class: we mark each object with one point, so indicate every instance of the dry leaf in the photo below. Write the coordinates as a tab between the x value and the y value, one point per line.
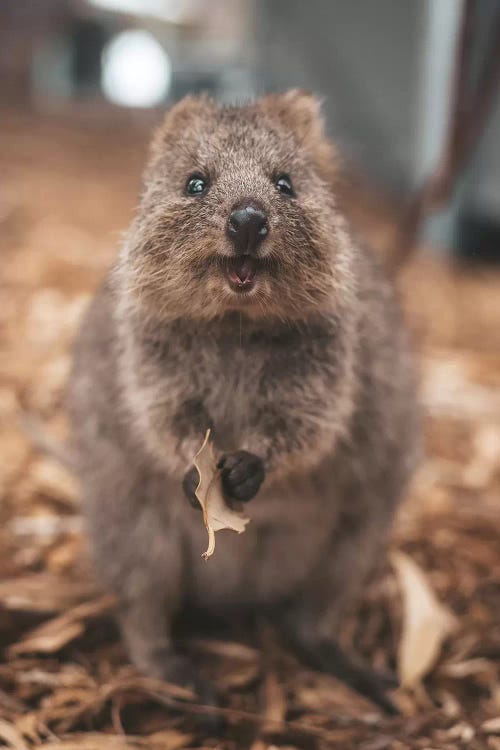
216	514
65	675
426	622
165	740
471	667
48	642
228	649
461	731
43	592
54	634
95	741
238	676
491	726
11	736
169	739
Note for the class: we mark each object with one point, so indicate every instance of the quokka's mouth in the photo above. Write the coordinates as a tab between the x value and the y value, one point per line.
241	272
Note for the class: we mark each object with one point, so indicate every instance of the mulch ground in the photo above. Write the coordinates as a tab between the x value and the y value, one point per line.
66	193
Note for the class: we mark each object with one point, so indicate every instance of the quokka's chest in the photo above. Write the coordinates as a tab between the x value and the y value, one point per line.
225	396
235	387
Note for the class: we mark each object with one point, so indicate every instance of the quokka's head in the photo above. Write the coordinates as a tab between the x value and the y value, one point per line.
238	213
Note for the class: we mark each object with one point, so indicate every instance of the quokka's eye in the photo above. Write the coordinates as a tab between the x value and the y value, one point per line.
284	184
196	185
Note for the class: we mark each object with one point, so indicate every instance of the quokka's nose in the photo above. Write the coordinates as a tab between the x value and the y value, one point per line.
247	227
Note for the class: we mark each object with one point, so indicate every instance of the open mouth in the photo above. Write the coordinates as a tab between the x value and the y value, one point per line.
241	272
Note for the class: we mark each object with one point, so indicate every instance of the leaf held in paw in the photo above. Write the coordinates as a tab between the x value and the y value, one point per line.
216	514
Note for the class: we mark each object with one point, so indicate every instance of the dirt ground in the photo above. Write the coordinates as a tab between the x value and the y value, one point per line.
66	193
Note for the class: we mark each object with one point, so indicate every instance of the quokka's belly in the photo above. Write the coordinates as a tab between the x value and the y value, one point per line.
289	531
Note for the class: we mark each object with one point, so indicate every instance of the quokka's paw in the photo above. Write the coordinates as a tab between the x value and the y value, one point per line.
242	474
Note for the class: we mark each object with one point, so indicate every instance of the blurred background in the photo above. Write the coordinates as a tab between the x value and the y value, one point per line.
410	91
387	71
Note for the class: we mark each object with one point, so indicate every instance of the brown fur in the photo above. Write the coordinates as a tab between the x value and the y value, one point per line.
310	371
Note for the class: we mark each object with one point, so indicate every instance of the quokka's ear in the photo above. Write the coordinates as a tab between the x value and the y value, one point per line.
299	110
182	115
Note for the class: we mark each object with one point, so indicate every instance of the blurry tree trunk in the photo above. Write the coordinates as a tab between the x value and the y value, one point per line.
469	113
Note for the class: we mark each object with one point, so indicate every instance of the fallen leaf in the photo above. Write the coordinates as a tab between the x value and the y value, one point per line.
53	635
164	740
238	676
31	727
43	592
95	741
11	736
48	640
229	649
64	675
461	731
463	669
491	726
169	739
216	514
426	622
